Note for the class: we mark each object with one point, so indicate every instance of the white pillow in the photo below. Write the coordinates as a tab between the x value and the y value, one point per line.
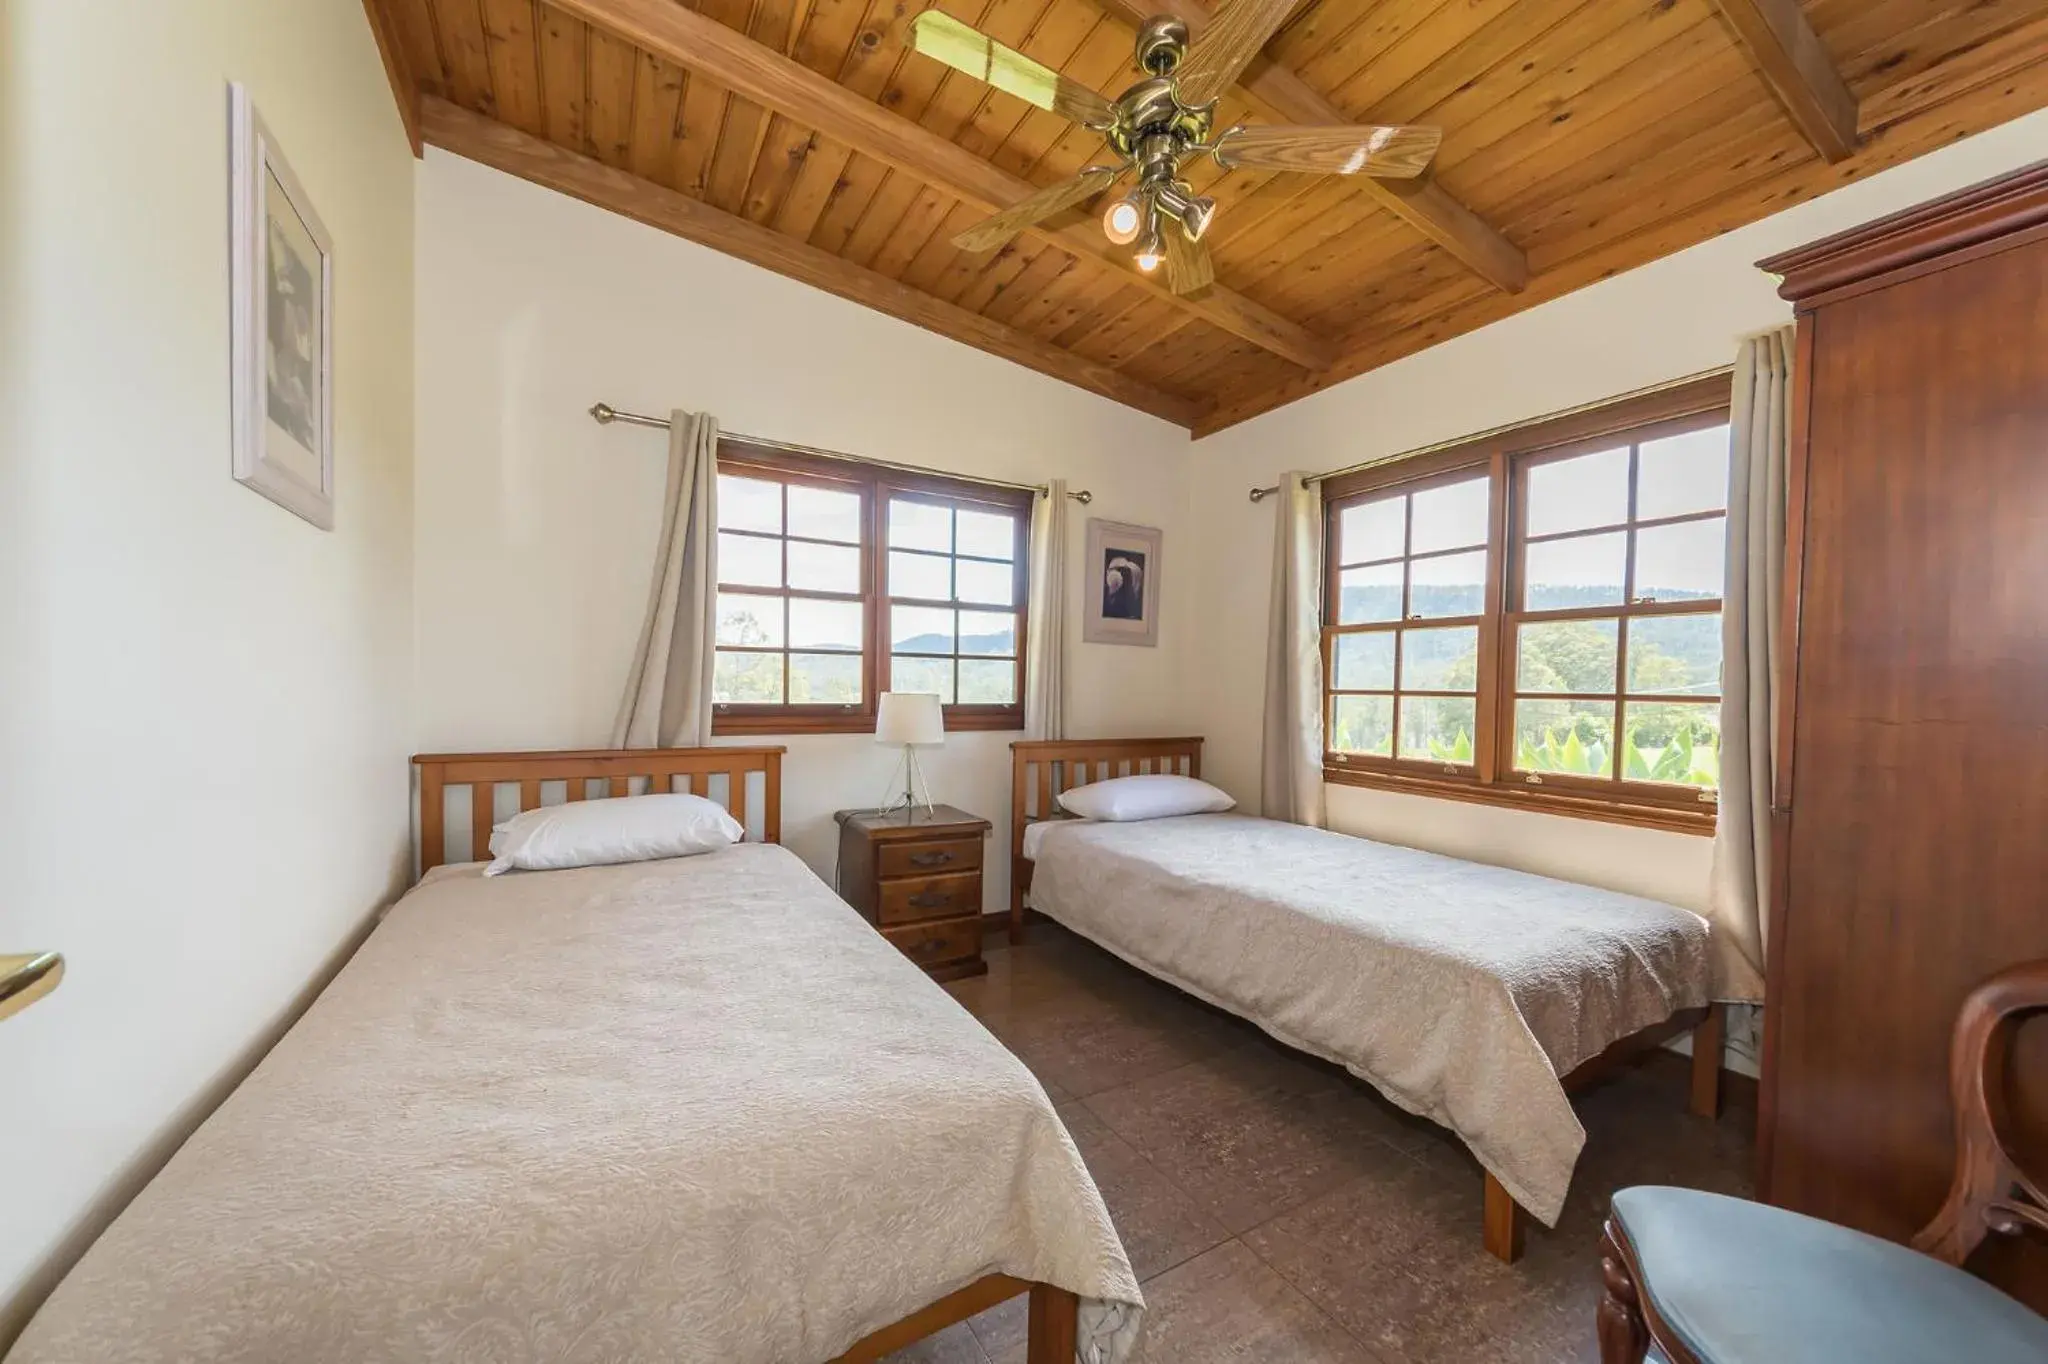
1122	799
596	833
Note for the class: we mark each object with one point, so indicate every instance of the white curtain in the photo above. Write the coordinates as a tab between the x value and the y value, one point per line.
668	692
1045	659
1291	784
1760	424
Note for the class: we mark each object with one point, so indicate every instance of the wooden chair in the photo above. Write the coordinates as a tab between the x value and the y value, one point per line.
1716	1280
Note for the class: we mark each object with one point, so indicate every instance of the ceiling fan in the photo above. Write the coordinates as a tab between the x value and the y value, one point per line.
1158	125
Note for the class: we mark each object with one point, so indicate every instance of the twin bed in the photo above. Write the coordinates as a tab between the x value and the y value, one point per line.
696	1109
1473	995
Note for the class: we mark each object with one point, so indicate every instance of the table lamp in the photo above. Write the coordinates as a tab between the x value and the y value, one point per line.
910	718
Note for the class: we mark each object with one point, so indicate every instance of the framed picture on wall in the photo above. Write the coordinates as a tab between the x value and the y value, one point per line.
1121	585
281	264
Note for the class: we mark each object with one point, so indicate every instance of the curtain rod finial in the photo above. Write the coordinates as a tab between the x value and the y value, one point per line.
1261	494
603	413
1084	497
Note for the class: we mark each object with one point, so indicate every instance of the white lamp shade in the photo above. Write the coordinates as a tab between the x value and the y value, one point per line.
910	717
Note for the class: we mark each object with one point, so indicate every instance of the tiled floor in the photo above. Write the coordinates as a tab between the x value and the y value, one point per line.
1280	1212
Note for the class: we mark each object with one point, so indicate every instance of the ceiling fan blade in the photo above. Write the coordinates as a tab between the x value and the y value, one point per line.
1393	153
1225	47
938	34
1188	266
992	232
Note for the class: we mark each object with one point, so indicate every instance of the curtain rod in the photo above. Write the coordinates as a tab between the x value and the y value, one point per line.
1261	494
605	414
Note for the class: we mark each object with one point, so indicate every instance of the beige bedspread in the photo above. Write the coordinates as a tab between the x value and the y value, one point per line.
692	1110
1461	991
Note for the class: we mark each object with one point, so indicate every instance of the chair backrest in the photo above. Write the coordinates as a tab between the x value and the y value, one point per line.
1991	1192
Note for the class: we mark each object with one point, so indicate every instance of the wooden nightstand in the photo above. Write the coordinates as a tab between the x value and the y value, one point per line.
917	878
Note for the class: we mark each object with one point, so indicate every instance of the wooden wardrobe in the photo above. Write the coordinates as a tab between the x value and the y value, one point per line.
1911	829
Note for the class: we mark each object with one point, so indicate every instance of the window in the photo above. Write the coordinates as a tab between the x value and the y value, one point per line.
1535	619
838	581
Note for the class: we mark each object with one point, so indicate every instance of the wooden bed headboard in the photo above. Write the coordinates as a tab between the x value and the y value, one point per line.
1042	768
625	772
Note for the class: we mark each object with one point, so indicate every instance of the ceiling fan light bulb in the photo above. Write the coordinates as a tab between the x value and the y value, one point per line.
1148	262
1122	221
1151	246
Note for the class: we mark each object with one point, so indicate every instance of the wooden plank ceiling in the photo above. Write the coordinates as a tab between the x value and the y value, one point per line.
1581	138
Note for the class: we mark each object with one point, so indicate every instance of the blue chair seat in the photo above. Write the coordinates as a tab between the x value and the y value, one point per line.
1743	1283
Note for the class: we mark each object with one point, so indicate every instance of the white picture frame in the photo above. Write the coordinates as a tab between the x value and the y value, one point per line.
281	296
1120	586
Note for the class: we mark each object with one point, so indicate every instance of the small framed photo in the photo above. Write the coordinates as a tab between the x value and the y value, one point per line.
1122	585
282	334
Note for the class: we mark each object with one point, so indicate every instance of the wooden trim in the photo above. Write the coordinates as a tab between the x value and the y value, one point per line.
1054	1321
405	86
1794	62
1607	810
483	773
505	148
1420	202
762	74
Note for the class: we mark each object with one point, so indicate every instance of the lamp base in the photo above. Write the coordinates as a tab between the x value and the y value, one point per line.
913	778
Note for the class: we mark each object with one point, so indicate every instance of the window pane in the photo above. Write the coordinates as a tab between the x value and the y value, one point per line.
1565	736
755	621
824	679
1450	517
988	632
922	674
1362	724
986	535
750	560
920	629
1586	571
1454	585
824	514
1689	560
992	583
1674	742
1675	655
988	682
1572	494
920	525
824	568
817	624
920	575
1682	474
1440	660
1369	595
1372	530
1365	662
752	679
749	504
1569	655
1438	728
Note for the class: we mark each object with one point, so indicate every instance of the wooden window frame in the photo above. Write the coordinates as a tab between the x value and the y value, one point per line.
1504	458
875	484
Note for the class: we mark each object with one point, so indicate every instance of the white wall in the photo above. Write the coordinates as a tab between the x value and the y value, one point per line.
536	526
1677	317
205	703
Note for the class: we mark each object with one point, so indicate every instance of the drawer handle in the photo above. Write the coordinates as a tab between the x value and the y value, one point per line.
930	859
930	899
930	947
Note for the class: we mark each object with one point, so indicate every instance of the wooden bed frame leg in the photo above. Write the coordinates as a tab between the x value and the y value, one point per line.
1624	1338
1503	1223
1055	1325
1708	1039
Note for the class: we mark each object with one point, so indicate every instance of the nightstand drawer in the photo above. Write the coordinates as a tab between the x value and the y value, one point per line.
928	859
935	944
928	897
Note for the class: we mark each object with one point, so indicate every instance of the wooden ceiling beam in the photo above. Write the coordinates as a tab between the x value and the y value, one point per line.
1796	65
759	73
405	86
1421	202
505	148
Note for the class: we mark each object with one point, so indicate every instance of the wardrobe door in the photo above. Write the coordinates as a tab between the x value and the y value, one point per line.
1918	846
